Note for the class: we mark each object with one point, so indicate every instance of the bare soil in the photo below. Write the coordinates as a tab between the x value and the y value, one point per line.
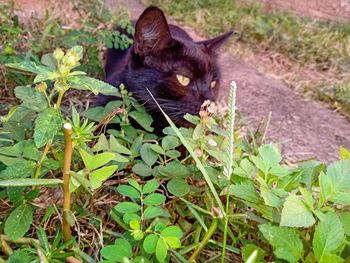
303	128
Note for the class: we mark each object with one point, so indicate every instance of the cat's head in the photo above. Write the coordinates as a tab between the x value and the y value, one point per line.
180	73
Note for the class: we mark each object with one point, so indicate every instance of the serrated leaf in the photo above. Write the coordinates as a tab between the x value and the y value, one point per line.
345	219
270	154
28	66
127	207
97	177
94	85
19	221
47	124
154	199
152	212
245	191
128	191
142	118
161	250
285	242
338	172
142	169
150	187
150	243
296	213
46	76
22	169
328	238
178	187
31	98
148	155
325	185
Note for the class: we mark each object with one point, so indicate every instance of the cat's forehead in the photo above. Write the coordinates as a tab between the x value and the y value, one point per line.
192	59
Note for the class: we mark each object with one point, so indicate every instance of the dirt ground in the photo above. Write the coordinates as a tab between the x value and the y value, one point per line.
304	129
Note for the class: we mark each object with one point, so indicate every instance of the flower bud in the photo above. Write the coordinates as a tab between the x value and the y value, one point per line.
58	54
42	87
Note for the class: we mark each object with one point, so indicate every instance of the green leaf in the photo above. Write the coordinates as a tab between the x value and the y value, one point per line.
344	153
328	238
152	212
117	252
128	217
245	169
98	176
270	154
142	169
198	132
173	153
135	184
22	169
150	187
19	221
148	155
134	224
142	118
48	123
30	182
46	76
128	191
31	98
102	144
345	219
170	142
154	199
245	191
325	185
296	213
94	85
28	66
127	207
248	249
161	250
173	242
175	169
150	243
172	231
338	172
94	161
115	146
178	187
285	242
157	148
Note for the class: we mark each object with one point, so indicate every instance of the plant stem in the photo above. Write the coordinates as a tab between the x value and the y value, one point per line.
205	240
68	150
225	228
43	156
59	99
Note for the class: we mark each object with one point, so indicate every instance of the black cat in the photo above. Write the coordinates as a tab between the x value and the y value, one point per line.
180	73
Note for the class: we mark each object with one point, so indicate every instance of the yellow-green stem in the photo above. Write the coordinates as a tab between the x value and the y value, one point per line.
68	150
205	240
43	156
59	99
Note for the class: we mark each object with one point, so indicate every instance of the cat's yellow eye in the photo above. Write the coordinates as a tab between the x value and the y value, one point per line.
184	81
213	84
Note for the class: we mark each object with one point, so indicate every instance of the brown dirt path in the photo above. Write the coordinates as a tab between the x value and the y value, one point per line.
304	129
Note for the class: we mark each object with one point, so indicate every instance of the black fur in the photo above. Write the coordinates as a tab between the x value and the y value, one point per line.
160	51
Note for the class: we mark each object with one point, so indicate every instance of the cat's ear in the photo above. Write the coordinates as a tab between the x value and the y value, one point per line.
214	44
152	32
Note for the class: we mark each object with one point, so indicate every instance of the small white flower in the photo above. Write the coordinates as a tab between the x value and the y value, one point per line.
211	142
